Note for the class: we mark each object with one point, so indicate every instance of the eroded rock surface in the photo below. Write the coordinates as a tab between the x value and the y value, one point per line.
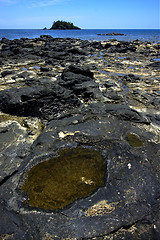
60	95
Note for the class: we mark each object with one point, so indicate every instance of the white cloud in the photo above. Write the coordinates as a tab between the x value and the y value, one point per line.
8	1
47	3
34	3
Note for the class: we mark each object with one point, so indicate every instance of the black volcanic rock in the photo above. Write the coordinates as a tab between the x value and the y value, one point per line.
155	65
58	94
80	80
7	72
37	101
78	70
121	47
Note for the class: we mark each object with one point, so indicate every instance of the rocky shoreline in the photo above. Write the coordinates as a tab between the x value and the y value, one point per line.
58	94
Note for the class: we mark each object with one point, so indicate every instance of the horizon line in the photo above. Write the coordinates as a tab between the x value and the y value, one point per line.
81	29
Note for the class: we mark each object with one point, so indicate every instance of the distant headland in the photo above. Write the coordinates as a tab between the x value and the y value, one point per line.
62	25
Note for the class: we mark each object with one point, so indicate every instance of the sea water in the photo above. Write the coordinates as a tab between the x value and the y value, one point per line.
85	34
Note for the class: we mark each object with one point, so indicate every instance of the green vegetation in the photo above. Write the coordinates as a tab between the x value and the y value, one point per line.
74	174
62	25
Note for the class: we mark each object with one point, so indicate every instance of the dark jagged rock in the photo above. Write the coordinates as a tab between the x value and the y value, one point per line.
80	81
126	113
77	51
44	69
97	45
5	73
37	101
154	65
122	47
131	78
85	72
58	94
108	45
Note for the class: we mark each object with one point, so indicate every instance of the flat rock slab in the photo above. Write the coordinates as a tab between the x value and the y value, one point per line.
131	190
15	144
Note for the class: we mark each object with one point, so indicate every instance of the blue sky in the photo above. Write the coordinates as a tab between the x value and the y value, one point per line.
87	14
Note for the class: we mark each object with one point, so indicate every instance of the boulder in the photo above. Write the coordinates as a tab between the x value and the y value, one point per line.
37	101
121	47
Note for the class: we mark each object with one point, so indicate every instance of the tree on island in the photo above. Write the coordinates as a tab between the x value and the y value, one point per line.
62	25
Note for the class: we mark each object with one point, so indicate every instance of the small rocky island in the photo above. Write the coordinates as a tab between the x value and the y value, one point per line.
111	34
79	139
63	25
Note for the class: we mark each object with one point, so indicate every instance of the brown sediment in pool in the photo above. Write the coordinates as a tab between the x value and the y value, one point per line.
75	173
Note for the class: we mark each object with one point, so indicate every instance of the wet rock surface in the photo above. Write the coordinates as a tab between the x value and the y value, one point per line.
78	172
60	95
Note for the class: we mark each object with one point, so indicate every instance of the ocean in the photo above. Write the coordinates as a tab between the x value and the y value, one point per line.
85	34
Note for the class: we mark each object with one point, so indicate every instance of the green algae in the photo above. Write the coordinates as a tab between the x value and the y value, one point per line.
75	173
134	140
6	117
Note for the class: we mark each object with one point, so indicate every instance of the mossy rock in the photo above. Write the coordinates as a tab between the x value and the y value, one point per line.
134	140
7	117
